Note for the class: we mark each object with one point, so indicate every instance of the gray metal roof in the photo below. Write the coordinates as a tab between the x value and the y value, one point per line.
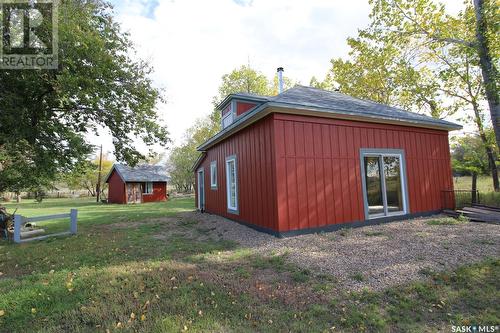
332	103
140	173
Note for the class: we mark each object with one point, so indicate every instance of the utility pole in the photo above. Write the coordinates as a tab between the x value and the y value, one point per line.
98	186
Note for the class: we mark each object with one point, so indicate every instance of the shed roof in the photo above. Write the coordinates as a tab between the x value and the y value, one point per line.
333	104
140	173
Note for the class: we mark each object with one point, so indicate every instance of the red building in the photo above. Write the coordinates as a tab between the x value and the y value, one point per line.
144	183
309	160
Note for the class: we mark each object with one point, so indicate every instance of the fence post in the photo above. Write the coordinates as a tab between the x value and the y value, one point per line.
73	216
18	219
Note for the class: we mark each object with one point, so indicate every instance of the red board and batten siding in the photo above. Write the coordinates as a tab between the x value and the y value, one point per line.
318	168
299	172
159	193
254	150
116	192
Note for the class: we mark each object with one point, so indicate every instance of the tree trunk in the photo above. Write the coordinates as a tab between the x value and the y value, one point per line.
488	69
474	188
489	150
493	168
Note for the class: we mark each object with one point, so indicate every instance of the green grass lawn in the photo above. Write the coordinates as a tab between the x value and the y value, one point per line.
117	275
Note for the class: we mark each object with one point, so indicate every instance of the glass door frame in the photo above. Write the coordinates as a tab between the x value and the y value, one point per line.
201	188
381	153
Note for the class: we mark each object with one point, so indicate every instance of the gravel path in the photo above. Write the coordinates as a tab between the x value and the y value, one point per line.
373	257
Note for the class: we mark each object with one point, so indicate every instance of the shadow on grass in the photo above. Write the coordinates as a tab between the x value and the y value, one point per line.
124	278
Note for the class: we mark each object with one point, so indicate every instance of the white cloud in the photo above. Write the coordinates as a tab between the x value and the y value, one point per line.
192	43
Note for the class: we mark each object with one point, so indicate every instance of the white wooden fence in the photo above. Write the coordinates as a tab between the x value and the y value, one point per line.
20	220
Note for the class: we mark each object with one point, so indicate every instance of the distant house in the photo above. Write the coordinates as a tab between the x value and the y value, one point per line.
308	160
144	183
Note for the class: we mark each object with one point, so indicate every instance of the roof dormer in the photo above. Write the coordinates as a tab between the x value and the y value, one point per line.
235	105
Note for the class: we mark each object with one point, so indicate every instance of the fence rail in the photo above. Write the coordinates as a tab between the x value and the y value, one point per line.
458	199
20	220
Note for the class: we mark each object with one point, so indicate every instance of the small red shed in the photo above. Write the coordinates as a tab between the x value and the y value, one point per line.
144	183
308	160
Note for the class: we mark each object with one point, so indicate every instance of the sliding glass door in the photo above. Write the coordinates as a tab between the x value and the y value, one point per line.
384	186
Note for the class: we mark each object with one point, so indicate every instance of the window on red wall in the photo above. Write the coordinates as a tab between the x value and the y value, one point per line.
148	188
232	184
213	174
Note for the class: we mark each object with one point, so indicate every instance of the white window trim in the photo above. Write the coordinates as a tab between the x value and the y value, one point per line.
232	209
146	188
213	180
201	171
229	114
374	152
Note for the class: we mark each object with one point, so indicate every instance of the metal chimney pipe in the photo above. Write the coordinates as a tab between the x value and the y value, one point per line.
280	79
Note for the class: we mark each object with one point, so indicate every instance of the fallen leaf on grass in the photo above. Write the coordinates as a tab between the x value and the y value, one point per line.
33	310
143	317
2	312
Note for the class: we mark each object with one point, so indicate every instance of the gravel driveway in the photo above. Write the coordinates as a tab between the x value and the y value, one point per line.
374	257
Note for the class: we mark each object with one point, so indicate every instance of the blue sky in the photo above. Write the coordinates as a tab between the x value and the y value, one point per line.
192	43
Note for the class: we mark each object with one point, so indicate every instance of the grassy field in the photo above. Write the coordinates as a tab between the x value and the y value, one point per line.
484	183
117	275
485	187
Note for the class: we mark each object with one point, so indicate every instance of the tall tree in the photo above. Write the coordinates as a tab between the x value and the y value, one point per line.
469	156
393	62
241	80
487	37
461	80
183	157
85	175
245	80
428	24
99	84
383	72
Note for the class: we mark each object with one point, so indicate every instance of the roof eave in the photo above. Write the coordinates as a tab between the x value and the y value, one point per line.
230	97
117	171
198	161
273	107
244	121
349	115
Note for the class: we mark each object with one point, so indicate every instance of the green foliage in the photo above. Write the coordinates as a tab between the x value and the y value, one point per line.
246	80
182	158
384	72
469	154
47	113
84	175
